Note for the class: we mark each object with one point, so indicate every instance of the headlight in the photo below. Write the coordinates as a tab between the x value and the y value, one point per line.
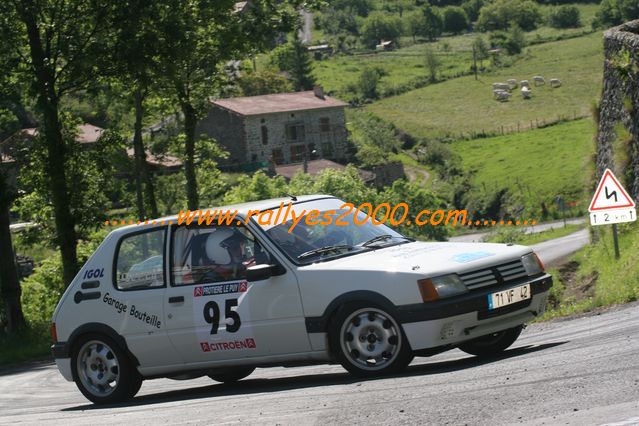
440	287
532	264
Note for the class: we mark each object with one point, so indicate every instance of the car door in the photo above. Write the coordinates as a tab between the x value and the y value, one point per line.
134	304
214	314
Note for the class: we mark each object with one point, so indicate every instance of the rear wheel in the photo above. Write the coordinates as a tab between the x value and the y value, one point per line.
102	371
232	375
492	344
368	341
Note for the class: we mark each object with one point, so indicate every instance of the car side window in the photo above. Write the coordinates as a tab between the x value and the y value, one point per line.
140	261
210	254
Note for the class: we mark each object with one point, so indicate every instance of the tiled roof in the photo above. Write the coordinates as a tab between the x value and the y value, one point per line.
279	102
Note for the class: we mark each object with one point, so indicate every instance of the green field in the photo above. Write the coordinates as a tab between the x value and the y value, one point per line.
464	106
405	65
535	165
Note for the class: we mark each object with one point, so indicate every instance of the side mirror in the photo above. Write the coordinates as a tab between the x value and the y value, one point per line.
259	272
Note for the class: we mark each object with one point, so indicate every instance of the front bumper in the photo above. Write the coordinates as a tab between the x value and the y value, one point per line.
461	318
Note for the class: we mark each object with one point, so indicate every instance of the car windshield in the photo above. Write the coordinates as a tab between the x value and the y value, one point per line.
327	229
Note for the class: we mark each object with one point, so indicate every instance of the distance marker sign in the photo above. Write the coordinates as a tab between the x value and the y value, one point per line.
611	203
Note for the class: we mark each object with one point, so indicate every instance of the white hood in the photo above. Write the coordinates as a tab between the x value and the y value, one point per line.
429	259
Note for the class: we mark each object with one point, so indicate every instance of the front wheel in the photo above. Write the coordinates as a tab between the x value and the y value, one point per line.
368	341
103	372
492	344
232	375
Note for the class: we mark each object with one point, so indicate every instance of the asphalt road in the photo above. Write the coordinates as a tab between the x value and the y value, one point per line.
553	252
580	371
478	237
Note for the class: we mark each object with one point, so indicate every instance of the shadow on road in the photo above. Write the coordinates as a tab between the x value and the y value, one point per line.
247	387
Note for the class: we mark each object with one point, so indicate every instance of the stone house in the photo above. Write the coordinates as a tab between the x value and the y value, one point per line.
283	128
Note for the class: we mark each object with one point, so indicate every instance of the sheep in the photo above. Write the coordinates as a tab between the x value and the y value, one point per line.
501	86
512	83
526	92
555	82
524	83
538	80
503	96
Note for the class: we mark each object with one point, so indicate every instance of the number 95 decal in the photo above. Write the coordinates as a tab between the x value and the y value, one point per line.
212	315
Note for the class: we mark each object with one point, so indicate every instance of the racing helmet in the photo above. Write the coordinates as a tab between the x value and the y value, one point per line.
220	245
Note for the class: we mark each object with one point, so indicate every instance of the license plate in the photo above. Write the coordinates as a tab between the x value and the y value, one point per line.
508	297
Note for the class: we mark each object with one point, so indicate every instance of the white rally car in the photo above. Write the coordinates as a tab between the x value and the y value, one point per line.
183	301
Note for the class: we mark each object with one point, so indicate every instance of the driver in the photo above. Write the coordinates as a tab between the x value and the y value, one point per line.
225	250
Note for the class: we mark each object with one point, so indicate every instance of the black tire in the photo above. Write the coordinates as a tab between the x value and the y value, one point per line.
492	344
382	348
93	355
232	375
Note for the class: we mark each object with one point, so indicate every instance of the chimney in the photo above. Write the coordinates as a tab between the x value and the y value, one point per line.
319	92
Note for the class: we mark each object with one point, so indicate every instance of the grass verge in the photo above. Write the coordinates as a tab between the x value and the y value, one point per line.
593	278
27	345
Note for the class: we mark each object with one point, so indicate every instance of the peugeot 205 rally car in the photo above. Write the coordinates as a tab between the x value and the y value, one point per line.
183	301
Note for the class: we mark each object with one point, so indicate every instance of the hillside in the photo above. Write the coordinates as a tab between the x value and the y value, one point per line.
463	107
536	165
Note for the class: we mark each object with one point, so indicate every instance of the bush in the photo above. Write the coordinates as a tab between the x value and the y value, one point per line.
564	17
455	20
367	84
378	26
501	14
42	290
513	41
615	12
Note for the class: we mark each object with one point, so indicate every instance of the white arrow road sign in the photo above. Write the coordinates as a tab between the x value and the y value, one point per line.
611	203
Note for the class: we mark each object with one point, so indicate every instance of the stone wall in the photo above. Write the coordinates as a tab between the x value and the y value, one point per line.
227	128
242	136
335	136
620	103
386	174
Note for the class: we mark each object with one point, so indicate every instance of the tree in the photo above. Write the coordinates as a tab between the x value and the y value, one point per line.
500	14
472	8
379	26
434	23
480	53
416	24
302	68
200	37
9	282
136	52
432	64
61	43
293	58
367	83
515	41
263	83
615	12
455	20
565	16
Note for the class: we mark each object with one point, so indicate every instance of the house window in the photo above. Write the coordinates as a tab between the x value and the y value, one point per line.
278	157
327	149
264	135
297	153
325	125
295	132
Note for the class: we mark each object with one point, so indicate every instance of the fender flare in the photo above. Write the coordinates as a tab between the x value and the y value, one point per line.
320	324
64	349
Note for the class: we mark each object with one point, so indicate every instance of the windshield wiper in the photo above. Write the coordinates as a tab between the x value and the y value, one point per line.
384	238
325	249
